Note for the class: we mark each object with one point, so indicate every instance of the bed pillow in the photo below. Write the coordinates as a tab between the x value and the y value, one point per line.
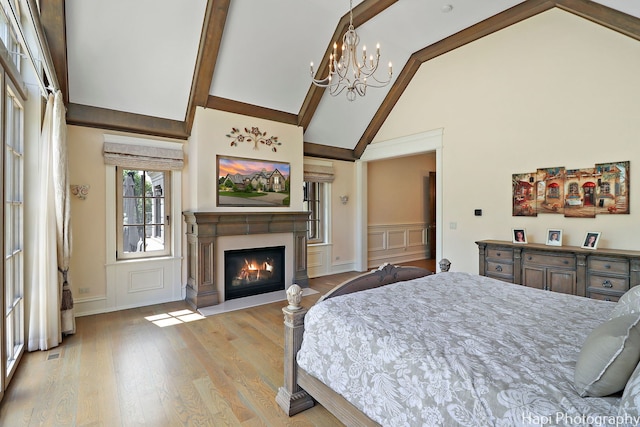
628	303
608	357
630	401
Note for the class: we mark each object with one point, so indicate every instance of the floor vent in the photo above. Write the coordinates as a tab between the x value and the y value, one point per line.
53	356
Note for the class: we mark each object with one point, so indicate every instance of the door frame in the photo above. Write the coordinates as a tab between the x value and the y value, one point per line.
424	142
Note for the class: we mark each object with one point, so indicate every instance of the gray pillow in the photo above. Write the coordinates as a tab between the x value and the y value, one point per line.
628	303
630	401
608	357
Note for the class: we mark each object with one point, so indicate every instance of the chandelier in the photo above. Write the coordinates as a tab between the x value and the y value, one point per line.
346	71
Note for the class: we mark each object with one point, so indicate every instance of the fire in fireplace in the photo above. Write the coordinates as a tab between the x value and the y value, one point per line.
253	271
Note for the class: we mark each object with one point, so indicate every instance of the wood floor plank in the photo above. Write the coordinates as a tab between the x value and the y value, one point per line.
121	369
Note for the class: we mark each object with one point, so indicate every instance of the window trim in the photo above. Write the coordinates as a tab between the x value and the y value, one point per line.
325	212
175	213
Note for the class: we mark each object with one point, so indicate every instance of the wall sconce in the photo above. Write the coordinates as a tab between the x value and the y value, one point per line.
344	199
81	191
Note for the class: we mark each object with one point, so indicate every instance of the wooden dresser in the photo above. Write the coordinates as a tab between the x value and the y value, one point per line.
602	273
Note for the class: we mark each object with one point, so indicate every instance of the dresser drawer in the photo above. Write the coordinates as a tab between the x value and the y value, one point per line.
497	253
501	268
550	260
603	297
605	265
620	284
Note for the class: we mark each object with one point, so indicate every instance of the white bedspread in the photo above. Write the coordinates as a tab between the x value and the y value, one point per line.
456	349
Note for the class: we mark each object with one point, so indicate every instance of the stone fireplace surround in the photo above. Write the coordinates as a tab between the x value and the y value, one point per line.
208	234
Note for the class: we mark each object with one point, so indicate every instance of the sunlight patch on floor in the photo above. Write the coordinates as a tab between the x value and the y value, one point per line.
174	318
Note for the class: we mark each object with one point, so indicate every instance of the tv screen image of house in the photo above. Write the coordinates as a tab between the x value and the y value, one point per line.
251	182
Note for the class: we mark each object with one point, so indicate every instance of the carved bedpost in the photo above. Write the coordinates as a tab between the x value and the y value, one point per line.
291	398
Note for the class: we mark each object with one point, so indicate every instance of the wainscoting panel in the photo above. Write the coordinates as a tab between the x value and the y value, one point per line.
377	240
146	280
320	261
135	283
396	243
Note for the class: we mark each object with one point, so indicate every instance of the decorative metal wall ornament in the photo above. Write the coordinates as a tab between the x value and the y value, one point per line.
254	135
81	191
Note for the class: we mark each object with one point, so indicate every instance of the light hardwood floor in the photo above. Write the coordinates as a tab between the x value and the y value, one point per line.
120	369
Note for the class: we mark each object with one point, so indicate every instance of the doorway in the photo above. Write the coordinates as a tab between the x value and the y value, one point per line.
429	141
430	214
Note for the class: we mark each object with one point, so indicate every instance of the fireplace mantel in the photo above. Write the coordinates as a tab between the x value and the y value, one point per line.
203	229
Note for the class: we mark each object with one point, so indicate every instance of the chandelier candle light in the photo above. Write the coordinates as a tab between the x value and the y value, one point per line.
346	72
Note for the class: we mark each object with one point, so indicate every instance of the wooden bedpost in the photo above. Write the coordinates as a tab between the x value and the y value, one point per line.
291	398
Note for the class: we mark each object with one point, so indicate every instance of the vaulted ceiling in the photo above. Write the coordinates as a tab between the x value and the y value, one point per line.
143	66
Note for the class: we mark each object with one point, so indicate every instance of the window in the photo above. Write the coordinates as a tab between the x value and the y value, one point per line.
318	176
574	189
313	202
8	35
13	178
143	204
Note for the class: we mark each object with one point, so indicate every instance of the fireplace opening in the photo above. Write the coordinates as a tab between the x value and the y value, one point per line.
253	271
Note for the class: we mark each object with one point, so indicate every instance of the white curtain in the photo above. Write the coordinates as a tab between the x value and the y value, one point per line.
51	244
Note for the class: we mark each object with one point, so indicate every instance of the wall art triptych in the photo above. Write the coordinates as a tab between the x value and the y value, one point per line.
576	193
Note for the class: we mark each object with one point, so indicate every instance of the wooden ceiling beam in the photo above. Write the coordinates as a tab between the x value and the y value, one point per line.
102	118
52	18
326	152
210	41
231	106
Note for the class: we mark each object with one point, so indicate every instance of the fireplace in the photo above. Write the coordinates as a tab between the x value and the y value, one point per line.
253	271
210	234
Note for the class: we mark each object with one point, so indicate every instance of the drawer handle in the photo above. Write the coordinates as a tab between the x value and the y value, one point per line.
607	284
607	266
607	299
566	262
529	258
498	268
498	254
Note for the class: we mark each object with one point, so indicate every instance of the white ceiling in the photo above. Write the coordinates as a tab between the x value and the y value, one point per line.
139	56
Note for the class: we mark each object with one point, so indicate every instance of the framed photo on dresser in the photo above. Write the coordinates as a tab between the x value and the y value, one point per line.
554	237
591	240
519	235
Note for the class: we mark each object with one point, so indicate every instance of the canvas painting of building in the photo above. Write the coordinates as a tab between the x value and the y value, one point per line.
250	182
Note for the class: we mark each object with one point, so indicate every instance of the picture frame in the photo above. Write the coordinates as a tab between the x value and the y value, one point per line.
554	237
252	182
519	235
591	240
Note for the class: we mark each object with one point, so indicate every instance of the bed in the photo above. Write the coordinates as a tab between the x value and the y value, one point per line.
403	346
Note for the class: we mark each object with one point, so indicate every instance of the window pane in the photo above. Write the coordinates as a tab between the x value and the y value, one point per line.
133	238
155	238
132	210
143	212
8	290
313	193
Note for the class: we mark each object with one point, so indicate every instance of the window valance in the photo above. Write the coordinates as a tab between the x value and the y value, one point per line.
166	156
318	173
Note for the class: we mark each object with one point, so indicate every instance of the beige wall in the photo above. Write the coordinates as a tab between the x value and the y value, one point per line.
555	90
343	216
88	217
396	189
208	139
